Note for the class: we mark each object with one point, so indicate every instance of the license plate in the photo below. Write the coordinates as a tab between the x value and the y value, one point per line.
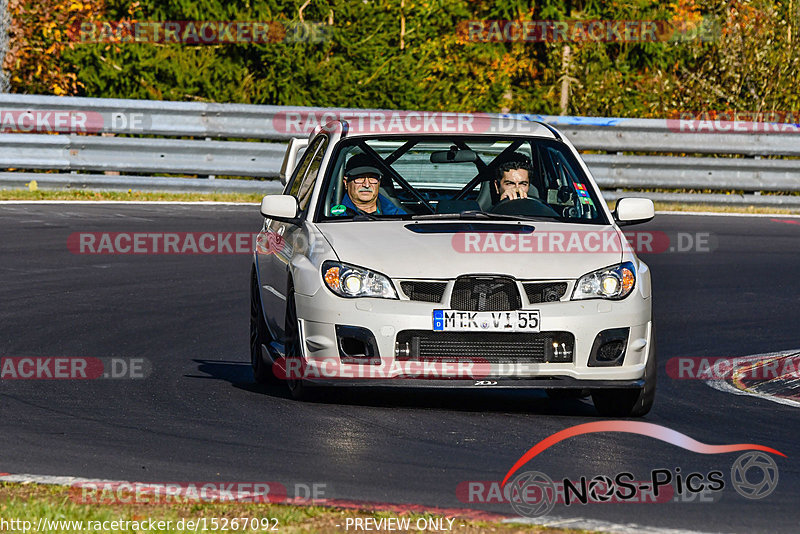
503	321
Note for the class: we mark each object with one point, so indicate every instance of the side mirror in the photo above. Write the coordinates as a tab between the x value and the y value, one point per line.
634	211
290	157
281	207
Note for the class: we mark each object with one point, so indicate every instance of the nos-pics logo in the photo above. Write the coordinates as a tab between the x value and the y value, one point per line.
754	474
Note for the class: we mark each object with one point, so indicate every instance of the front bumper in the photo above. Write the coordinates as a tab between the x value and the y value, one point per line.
502	383
319	315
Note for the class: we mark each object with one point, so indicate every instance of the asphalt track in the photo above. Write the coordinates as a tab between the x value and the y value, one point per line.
199	417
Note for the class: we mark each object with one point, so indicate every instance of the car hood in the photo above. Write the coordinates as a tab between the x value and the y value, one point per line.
448	249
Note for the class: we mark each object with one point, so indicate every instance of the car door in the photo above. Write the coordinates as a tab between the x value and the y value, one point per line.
279	237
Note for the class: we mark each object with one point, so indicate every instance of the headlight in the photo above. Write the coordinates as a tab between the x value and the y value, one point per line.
612	283
351	281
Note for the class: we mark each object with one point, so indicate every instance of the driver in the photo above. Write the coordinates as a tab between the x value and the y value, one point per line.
362	181
513	178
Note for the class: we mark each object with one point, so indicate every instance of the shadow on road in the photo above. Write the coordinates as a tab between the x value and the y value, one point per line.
240	376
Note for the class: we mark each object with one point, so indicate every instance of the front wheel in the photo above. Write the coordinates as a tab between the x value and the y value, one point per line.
292	344
259	337
629	402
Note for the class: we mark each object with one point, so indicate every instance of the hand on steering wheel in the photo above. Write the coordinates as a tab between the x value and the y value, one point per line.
513	193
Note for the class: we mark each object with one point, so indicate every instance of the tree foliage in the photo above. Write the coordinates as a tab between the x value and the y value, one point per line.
415	54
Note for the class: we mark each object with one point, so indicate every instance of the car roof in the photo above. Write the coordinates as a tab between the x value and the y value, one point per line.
432	124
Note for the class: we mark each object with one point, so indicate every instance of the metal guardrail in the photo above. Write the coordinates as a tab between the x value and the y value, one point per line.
144	155
665	136
209	151
101	182
157	117
654	172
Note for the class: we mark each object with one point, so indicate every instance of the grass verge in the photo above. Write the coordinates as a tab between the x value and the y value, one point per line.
35	502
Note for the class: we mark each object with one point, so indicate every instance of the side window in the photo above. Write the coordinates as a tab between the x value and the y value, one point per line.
303	184
566	187
301	168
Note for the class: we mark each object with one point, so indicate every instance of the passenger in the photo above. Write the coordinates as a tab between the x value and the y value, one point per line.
513	178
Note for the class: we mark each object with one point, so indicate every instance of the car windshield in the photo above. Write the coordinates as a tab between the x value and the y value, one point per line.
457	177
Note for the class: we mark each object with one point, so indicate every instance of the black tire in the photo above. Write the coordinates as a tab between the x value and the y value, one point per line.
297	387
629	402
262	370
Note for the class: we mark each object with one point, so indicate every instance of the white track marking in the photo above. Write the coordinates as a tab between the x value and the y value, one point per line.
727	387
721	385
598	526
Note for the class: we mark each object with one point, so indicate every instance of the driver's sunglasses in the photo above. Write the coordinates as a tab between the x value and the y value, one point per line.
360	180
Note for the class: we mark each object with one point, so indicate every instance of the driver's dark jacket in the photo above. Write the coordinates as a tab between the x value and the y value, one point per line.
385	206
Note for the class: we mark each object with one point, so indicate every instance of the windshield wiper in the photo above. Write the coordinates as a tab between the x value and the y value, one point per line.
436	216
474	214
364	216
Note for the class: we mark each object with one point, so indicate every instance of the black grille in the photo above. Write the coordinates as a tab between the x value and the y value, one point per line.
484	347
485	293
424	291
544	292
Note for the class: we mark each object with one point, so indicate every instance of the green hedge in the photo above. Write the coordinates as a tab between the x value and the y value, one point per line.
750	64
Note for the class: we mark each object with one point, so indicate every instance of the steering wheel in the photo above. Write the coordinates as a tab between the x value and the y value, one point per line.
523	206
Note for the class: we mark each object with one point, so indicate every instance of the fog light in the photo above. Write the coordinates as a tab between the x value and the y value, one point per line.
357	345
608	349
402	351
561	349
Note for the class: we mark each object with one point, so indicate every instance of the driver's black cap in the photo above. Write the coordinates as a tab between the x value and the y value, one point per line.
361	164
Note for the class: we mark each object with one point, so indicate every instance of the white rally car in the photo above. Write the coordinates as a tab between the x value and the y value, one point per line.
451	258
